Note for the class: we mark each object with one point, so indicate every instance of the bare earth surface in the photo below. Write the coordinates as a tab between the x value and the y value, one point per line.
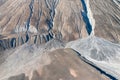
31	29
107	19
42	17
39	21
61	64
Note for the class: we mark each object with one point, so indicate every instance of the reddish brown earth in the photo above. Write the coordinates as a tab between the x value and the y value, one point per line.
61	64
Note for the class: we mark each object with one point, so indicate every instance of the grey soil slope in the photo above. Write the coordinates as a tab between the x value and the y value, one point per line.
107	19
64	65
35	22
61	17
42	19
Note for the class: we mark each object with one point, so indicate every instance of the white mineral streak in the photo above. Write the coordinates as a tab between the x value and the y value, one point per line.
90	16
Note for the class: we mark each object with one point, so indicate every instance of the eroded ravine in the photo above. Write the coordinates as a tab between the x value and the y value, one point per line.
32	34
85	17
96	67
38	21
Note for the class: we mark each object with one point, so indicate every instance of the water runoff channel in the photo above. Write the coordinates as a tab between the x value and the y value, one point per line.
89	26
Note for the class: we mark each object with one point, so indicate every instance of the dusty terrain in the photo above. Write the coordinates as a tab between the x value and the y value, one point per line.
61	64
31	29
38	21
42	17
107	19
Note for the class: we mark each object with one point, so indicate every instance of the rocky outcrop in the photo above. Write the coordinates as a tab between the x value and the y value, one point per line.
40	16
39	21
66	19
15	40
26	22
